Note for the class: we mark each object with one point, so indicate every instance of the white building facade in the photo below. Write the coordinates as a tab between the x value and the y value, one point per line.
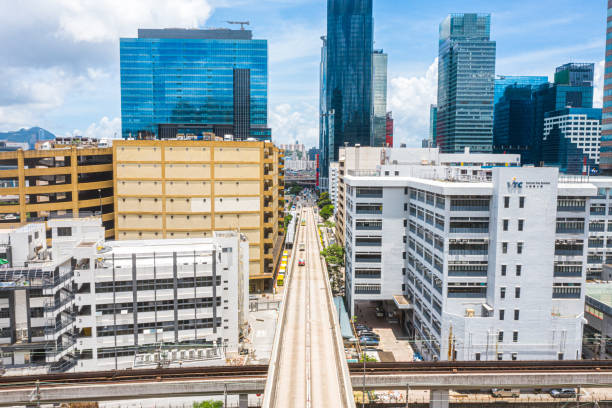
123	304
333	185
478	263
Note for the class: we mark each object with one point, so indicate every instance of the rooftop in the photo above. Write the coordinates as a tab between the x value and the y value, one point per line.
599	295
195	34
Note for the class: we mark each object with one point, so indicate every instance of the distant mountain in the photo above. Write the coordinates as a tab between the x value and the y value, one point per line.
30	136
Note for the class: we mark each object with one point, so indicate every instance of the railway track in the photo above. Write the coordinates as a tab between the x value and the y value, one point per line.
257	371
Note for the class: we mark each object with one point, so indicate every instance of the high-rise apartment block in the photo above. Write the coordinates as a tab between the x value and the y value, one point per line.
606	122
90	304
346	79
379	98
187	189
189	83
466	81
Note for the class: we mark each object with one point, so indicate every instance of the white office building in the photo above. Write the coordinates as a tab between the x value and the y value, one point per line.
333	184
477	262
88	304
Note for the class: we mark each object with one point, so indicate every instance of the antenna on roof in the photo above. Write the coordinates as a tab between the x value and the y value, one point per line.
242	23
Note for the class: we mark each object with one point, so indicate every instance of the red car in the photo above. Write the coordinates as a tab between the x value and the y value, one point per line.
301	262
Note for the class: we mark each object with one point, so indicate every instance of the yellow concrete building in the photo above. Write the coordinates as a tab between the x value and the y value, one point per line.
185	188
37	185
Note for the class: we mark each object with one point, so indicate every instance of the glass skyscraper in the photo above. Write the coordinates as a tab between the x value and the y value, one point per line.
466	79
513	127
379	98
504	81
190	82
554	97
348	88
605	161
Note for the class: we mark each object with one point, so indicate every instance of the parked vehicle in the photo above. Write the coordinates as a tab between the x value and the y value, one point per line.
368	341
505	392
301	247
301	262
367	333
563	393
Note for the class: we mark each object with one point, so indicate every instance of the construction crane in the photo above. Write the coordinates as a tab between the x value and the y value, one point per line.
242	23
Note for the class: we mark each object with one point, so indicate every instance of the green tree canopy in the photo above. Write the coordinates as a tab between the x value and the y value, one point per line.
208	404
334	254
326	212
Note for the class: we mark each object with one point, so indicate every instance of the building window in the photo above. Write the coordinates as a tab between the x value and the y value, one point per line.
504	247
518	270
506	202
514	356
405	223
517	292
506	225
516	314
519	248
502	293
500	356
521	224
503	270
64	231
500	336
521	202
405	206
515	336
560	356
502	314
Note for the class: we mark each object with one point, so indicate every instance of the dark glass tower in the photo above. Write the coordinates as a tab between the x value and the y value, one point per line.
466	80
348	89
513	128
190	82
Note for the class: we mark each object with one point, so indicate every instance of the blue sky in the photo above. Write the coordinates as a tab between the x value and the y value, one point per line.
60	58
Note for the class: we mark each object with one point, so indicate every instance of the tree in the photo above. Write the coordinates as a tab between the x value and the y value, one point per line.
323	200
326	212
295	189
288	219
330	224
334	255
208	404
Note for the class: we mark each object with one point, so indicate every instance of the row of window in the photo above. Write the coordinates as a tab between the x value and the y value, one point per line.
191	324
160	305
152	284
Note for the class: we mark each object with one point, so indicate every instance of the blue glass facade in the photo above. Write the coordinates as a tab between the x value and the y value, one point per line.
348	89
466	79
504	81
194	77
513	127
554	97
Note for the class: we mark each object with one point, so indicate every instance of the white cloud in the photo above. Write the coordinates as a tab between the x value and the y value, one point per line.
289	124
598	82
106	20
409	99
105	128
56	53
